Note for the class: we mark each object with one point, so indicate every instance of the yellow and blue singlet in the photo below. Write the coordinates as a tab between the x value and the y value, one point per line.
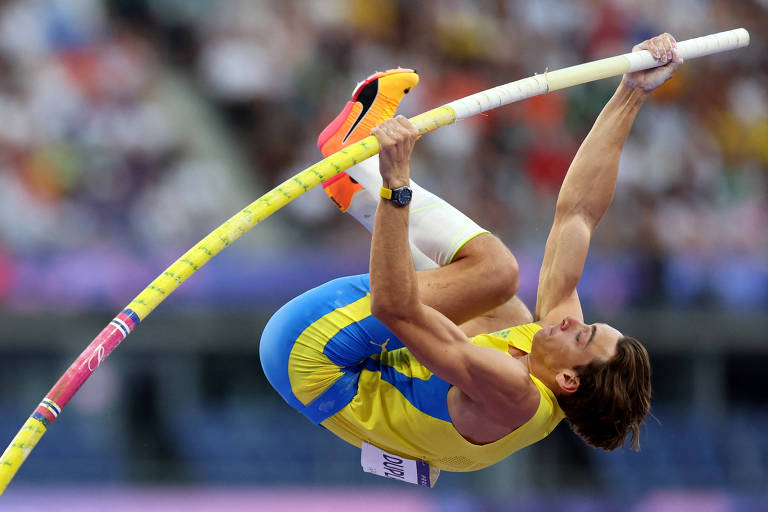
334	362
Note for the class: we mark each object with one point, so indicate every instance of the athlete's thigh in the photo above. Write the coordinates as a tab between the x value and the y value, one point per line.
482	276
313	348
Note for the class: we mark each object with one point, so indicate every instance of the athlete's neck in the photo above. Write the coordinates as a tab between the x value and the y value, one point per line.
541	372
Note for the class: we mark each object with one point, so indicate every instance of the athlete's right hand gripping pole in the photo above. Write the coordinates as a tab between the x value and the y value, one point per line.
157	291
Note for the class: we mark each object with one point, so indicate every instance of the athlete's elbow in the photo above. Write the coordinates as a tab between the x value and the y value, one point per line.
496	269
588	213
392	298
388	309
380	308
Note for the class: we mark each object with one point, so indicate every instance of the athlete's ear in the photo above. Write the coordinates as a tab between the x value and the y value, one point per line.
568	380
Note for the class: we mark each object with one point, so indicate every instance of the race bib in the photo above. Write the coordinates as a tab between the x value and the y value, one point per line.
379	462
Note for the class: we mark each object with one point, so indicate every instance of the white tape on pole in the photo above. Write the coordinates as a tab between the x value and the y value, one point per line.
591	71
693	48
498	96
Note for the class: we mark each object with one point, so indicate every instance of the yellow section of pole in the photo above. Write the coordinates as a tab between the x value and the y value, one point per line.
266	205
245	219
16	452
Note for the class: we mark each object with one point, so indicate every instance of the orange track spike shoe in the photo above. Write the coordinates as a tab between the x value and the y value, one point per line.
374	100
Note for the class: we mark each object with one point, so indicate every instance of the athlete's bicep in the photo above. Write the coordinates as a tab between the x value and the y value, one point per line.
564	258
486	375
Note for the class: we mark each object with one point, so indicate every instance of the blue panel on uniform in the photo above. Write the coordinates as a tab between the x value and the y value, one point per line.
358	341
333	399
428	396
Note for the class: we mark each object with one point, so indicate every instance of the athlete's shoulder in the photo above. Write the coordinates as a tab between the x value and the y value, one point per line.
527	330
519	336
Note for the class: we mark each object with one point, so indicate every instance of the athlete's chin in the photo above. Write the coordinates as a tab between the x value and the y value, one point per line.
540	341
544	334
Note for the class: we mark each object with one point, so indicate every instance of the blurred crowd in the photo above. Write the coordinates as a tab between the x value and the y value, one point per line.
132	127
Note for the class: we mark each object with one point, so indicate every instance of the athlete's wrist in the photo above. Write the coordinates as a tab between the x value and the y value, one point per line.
633	96
396	183
397	177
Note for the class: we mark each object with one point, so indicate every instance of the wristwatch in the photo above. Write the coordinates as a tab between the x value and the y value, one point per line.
400	196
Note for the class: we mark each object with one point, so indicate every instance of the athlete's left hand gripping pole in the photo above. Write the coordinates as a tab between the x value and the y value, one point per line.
138	309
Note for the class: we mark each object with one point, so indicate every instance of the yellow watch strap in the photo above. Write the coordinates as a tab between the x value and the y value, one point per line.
385	192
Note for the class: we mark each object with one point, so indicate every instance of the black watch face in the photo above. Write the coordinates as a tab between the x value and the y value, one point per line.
404	196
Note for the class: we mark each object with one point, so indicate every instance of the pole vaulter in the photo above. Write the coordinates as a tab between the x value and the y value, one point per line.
191	261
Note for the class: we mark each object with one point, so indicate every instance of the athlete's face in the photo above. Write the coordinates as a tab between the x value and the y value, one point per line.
573	343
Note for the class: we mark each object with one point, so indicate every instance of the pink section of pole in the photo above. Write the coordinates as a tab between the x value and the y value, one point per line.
90	359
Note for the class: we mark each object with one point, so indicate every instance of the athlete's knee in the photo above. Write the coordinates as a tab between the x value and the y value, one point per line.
496	266
505	273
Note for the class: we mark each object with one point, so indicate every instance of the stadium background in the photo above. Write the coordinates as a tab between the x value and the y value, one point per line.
129	129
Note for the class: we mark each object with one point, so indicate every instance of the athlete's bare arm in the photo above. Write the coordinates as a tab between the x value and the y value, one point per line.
587	190
492	382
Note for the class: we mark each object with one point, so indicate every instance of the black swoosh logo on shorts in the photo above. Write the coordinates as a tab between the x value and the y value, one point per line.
366	99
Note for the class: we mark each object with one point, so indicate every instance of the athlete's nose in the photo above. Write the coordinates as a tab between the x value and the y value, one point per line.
568	321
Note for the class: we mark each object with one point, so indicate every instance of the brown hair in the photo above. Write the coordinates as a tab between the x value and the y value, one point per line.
613	397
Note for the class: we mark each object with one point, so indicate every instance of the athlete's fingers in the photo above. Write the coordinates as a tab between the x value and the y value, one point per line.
395	141
399	132
393	127
661	46
661	42
404	122
380	132
676	57
646	45
408	126
388	128
669	43
652	48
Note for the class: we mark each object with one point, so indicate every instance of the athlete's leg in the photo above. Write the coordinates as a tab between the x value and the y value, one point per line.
482	274
362	207
436	228
373	101
477	271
